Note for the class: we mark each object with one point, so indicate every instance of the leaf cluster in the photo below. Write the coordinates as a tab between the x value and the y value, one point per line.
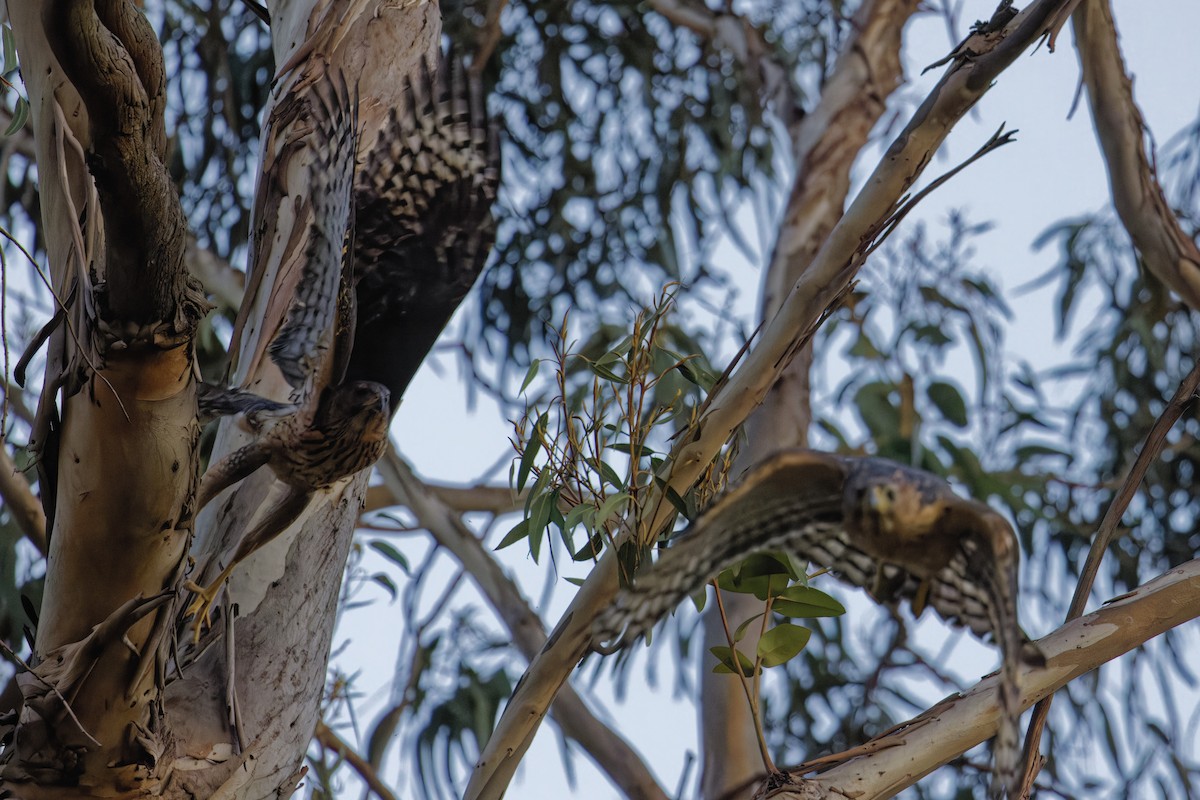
595	452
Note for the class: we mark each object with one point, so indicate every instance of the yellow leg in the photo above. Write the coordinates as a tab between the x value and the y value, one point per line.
201	607
921	597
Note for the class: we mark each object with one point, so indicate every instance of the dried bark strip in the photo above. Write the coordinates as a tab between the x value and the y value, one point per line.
126	457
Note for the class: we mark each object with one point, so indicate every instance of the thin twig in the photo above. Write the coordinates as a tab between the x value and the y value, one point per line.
331	740
751	698
489	37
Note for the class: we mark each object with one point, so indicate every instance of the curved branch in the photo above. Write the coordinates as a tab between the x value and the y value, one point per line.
826	143
1168	252
110	53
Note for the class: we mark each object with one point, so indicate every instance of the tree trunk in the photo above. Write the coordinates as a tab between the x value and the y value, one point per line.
118	705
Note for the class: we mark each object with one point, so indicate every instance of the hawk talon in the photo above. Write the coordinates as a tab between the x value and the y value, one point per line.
201	605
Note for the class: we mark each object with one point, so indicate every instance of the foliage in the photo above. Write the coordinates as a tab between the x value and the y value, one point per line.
630	143
596	453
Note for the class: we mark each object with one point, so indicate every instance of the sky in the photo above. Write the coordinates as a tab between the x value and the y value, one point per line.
1053	171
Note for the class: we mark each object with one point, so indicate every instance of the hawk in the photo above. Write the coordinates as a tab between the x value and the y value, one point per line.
391	250
333	427
899	532
423	221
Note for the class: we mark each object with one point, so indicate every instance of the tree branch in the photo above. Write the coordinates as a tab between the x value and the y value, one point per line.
618	760
965	82
1168	252
109	51
826	143
1152	448
18	497
337	744
457	499
952	727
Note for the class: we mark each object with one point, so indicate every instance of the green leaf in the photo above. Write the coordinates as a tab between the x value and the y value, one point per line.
932	335
539	520
782	643
805	602
608	473
740	633
578	514
388	551
642	451
518	532
878	413
10	50
673	497
20	116
591	549
865	348
387	583
531	450
760	575
530	374
950	402
726	664
606	373
575	581
1028	451
611	505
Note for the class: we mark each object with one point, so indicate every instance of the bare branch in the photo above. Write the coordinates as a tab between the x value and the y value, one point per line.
1183	399
963	721
18	497
337	744
622	764
1169	252
457	499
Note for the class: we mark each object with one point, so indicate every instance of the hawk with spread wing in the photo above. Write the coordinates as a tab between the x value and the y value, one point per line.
899	532
334	427
388	252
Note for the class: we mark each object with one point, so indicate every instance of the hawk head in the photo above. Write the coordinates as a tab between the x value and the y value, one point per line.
363	406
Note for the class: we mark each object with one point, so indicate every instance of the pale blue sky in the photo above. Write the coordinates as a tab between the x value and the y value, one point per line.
1053	171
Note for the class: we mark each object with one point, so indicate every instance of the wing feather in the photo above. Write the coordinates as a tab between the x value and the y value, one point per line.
303	349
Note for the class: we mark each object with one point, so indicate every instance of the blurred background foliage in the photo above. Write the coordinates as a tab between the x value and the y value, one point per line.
633	147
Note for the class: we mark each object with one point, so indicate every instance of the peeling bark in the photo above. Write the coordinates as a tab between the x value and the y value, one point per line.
265	663
99	718
124	365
